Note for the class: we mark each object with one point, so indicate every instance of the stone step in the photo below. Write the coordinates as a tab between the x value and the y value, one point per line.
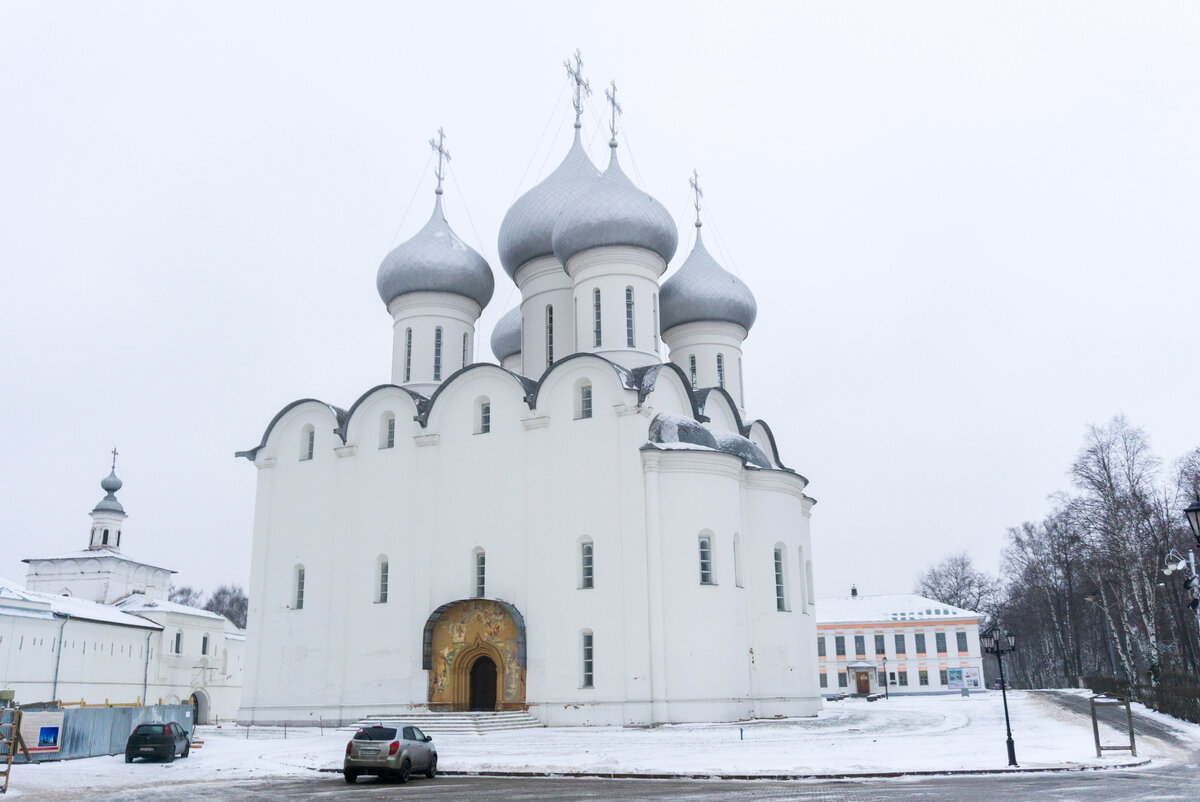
457	723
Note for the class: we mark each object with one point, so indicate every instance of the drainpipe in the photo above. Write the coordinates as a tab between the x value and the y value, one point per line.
58	657
146	668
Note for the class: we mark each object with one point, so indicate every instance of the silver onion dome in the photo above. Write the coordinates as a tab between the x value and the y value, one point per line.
614	212
110	484
703	290
506	337
528	226
435	260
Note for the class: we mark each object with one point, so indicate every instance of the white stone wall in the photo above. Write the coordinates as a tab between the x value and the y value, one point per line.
543	282
611	270
705	340
98	576
526	493
424	313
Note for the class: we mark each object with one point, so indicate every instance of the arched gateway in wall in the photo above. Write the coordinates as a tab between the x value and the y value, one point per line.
474	651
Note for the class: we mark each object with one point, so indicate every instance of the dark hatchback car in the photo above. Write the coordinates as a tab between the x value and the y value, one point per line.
159	740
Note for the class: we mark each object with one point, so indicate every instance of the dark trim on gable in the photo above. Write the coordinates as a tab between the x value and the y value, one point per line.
339	415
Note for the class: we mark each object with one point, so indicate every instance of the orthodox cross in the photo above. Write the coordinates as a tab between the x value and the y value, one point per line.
582	87
616	109
439	147
114	453
694	183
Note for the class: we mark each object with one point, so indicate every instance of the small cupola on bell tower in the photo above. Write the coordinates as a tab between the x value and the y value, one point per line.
108	517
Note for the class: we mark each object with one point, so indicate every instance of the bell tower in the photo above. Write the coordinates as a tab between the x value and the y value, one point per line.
108	517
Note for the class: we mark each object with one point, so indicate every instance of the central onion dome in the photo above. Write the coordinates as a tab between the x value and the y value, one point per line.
527	228
702	290
614	212
506	337
110	484
435	260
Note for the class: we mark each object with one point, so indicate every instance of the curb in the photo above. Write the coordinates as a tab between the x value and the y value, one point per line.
842	776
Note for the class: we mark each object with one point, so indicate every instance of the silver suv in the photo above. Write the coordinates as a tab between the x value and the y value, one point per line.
389	752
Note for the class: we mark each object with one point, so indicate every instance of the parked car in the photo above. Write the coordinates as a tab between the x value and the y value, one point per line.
159	739
389	752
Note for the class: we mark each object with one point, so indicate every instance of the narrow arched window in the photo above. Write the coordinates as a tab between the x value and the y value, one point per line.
549	335
706	560
812	599
692	369
381	581
780	587
464	361
480	574
586	566
437	354
721	371
178	643
801	593
204	644
737	560
298	595
596	317
387	430
588	659
408	355
629	317
741	385
104	541
483	416
655	308
584	401
308	439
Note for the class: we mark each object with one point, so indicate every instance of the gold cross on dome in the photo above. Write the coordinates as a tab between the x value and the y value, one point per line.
439	147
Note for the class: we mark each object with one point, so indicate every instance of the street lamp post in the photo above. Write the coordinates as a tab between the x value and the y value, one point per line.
1000	642
886	695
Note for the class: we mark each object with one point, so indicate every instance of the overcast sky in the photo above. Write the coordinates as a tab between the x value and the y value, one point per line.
971	229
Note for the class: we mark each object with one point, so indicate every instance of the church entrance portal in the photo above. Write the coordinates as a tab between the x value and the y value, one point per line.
474	651
483	684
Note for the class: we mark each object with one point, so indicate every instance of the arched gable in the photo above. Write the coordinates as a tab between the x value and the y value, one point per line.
482	377
760	434
555	394
670	392
359	426
290	413
718	407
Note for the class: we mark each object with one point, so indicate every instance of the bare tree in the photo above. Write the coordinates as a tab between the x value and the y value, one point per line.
956	581
185	594
231	602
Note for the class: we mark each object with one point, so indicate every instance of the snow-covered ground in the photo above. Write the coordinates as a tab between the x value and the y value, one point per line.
915	733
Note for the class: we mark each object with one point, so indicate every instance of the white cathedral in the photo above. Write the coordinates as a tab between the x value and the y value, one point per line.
584	531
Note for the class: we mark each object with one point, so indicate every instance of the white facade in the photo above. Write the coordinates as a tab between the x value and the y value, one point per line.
580	533
924	642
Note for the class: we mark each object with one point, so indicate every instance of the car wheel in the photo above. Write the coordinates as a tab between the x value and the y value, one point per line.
171	757
431	772
405	771
128	758
351	776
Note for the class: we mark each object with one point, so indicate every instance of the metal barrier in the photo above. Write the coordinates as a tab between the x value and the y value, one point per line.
92	731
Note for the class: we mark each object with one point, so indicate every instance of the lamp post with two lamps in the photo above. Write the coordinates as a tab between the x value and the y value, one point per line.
1177	562
1000	642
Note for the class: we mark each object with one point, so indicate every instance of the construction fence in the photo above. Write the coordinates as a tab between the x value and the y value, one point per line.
54	732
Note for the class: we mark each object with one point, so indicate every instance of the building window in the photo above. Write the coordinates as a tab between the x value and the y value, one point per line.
407	355
588	673
692	369
737	560
899	644
780	589
586	577
655	302
721	371
923	677
860	646
942	678
104	541
480	573
839	645
585	400
820	646
706	565
387	431
879	644
483	423
204	644
464	364
824	679
903	679
940	641
437	354
808	584
308	440
382	593
299	597
178	643
962	642
629	317
920	642
549	335
596	317
841	679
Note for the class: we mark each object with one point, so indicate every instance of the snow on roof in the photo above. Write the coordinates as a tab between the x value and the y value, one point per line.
900	607
138	603
94	554
15	600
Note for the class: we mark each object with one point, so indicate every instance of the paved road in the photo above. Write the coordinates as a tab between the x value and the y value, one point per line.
1115	716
